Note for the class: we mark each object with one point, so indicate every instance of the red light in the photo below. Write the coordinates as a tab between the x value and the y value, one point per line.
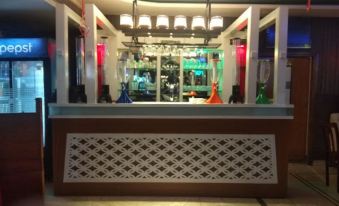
101	59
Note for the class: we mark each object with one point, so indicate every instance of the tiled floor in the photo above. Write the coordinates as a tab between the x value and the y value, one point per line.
306	187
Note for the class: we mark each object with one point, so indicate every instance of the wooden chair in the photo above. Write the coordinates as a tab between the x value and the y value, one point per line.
332	154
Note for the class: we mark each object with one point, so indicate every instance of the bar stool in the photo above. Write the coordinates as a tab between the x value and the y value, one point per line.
332	144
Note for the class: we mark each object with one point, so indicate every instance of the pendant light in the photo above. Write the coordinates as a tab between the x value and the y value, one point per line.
198	22
162	22
217	22
126	20
145	21
180	22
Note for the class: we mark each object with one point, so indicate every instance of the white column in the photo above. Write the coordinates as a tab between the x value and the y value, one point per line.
252	55
62	72
280	55
181	77
91	55
113	82
158	77
228	70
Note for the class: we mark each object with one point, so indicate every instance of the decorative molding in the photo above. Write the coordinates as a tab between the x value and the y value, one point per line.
171	158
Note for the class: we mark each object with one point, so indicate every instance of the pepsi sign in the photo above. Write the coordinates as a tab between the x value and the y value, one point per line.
23	48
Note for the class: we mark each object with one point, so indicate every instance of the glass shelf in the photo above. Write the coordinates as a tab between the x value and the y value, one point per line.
200	88
170	77
144	68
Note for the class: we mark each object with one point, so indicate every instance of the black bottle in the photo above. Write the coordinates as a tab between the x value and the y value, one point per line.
236	97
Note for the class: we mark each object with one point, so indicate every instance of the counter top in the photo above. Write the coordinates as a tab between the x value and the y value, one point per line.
166	110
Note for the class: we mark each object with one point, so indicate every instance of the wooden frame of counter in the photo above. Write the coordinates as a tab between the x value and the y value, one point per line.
201	126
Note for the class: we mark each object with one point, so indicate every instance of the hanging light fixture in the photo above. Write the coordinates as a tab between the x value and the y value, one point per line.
162	22
216	22
198	22
180	22
145	21
126	20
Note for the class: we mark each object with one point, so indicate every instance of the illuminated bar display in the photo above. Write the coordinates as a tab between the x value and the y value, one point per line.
183	118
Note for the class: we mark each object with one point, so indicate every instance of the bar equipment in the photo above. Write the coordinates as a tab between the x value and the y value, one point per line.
170	78
214	98
105	96
77	92
236	96
123	75
263	76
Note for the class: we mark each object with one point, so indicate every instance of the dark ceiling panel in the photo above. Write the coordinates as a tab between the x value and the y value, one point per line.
332	2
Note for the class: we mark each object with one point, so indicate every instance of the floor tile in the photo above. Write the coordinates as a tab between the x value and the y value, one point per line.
306	187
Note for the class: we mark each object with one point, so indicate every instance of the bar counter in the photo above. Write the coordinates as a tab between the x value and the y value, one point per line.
176	149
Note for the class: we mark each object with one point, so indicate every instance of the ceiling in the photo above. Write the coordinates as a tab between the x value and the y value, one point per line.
26	18
41	13
10	6
117	7
153	7
225	8
248	1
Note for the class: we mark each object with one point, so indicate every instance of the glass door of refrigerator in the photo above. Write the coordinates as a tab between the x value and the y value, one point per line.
5	106
27	84
169	80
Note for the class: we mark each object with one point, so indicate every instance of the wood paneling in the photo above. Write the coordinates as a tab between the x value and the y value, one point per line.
21	156
325	84
300	96
200	126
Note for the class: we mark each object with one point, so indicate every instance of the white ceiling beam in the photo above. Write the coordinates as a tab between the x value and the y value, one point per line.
103	22
74	16
239	22
268	20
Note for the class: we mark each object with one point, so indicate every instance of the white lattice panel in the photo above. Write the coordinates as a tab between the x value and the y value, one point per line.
194	158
